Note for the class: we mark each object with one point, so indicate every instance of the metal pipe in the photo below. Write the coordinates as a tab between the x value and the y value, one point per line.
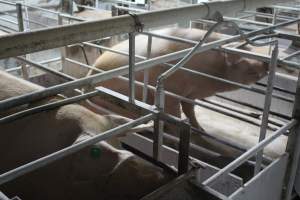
48	38
49	106
3	196
62	49
21	29
293	148
248	154
47	69
8	3
291	55
7	20
267	105
146	71
184	146
19	171
131	73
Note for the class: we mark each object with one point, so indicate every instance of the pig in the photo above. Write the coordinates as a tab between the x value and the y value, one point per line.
217	63
99	171
83	174
39	134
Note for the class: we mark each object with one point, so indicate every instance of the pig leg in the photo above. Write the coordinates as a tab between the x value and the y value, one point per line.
189	111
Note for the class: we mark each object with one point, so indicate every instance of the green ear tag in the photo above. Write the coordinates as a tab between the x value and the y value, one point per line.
95	152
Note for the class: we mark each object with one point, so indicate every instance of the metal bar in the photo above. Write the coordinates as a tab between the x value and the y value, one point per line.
40	8
7	20
45	107
267	105
184	146
146	71
10	70
48	38
293	148
21	29
7	2
3	196
251	152
12	174
157	138
269	16
72	17
291	55
62	49
131	73
44	68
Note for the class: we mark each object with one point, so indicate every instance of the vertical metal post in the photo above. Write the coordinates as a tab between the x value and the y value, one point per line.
158	124
21	29
184	146
70	10
62	49
267	105
149	4
293	148
275	11
96	4
20	17
146	71
131	67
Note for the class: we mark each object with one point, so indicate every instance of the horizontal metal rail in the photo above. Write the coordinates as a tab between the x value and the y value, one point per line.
44	68
85	31
8	20
46	107
14	173
248	154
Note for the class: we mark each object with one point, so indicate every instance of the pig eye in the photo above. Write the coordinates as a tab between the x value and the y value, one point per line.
95	152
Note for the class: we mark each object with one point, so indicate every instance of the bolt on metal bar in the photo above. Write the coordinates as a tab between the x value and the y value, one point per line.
131	73
19	171
248	154
267	105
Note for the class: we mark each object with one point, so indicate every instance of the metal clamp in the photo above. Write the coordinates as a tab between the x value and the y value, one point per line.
138	25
